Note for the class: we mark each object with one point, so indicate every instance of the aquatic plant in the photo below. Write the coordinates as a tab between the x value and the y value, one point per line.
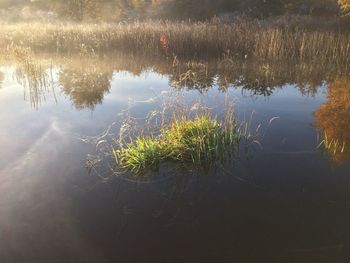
202	140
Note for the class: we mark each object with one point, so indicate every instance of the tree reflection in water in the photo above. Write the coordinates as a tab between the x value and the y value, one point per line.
85	87
333	117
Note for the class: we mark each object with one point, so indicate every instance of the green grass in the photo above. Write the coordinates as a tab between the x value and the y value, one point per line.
202	140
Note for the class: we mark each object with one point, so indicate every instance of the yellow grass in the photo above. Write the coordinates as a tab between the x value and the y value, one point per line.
243	39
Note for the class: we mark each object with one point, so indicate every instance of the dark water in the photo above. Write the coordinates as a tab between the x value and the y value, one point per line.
288	201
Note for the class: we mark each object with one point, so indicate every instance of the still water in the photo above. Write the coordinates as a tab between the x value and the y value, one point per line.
288	201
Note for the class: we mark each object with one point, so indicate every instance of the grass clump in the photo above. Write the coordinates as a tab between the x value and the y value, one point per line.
144	152
202	140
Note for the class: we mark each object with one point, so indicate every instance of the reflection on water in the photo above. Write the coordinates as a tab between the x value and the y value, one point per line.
192	75
285	203
334	118
2	76
86	86
36	81
87	81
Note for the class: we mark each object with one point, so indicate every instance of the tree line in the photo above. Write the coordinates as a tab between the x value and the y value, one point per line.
80	10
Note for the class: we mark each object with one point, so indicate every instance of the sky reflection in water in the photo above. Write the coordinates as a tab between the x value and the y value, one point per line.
287	200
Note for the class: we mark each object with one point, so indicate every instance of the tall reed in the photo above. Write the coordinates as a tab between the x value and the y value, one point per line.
242	38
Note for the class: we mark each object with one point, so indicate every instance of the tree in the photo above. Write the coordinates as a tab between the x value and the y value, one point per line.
78	10
194	9
344	6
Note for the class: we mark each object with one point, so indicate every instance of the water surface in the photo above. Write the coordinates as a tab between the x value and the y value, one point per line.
287	201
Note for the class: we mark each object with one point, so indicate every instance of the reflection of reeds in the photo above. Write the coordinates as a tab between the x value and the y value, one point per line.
258	77
195	76
86	85
35	79
246	38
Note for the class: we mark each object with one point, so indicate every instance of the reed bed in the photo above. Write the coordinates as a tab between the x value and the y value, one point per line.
202	39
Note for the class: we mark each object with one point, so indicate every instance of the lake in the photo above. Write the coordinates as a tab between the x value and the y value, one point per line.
286	200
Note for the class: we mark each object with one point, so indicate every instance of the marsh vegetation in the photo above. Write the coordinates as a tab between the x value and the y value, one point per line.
242	39
201	141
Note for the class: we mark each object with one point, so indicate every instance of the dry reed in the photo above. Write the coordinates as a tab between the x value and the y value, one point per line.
243	38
